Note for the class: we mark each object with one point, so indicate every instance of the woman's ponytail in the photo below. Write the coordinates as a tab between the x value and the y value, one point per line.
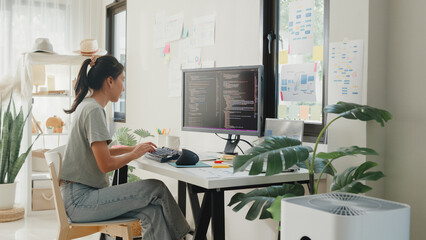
81	87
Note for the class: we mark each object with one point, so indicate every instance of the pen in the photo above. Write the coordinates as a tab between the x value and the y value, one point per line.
220	166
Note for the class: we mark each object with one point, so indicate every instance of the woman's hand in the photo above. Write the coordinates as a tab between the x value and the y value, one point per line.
143	148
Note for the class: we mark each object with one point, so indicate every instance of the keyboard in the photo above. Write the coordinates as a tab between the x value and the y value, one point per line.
163	154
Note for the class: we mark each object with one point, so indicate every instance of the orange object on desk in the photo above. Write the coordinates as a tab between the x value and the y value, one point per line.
220	166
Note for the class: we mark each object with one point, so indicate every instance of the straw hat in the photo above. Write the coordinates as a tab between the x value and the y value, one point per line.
42	45
89	47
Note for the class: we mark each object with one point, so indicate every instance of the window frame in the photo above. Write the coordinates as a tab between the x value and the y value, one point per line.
111	10
270	61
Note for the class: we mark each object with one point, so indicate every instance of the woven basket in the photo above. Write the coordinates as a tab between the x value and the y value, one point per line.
13	214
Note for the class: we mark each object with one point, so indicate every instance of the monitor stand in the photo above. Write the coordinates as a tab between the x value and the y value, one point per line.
231	144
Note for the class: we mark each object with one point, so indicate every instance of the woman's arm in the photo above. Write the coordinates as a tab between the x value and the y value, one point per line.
107	162
120	150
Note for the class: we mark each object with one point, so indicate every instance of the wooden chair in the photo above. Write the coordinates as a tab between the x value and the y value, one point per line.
121	227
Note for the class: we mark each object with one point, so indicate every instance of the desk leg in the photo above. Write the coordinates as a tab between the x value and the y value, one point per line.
202	224
218	214
182	196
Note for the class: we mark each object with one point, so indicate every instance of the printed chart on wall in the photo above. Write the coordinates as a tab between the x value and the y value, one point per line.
300	26
297	82
345	73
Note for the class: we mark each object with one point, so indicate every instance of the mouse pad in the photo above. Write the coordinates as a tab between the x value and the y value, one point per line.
197	165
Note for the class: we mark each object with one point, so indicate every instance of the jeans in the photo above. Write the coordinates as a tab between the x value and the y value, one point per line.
149	200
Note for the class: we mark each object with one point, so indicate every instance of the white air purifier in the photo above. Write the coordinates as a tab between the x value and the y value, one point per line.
343	216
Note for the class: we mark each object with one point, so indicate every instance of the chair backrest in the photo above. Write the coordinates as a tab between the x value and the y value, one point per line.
54	161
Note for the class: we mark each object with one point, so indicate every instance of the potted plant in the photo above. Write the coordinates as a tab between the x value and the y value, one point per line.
282	153
11	133
49	129
125	136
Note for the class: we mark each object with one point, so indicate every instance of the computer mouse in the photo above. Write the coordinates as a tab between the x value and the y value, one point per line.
187	157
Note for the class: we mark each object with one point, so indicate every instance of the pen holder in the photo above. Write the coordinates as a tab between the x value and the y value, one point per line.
172	142
162	140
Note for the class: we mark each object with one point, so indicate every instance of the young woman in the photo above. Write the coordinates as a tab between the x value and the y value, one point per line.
84	183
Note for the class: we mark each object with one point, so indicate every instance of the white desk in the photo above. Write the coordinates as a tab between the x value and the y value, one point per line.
213	182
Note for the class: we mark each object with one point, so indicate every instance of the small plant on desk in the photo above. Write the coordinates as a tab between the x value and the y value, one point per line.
282	153
125	136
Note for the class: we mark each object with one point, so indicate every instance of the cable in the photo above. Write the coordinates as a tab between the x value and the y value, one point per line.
251	145
240	148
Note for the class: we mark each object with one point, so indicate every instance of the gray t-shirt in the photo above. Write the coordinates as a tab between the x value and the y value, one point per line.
88	126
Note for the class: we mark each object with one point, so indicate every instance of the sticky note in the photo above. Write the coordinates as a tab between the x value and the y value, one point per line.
282	111
304	112
318	53
293	112
185	32
166	48
316	113
283	57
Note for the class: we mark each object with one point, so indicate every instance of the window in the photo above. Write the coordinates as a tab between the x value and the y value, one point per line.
295	59
116	46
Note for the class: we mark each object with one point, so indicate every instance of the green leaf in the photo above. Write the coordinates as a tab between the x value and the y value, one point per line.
319	165
16	165
347	151
127	139
360	112
262	199
143	133
119	132
5	154
350	179
278	152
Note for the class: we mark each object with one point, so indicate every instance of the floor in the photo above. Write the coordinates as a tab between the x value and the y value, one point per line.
39	227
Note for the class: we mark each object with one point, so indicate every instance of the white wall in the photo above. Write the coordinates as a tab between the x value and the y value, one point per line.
237	42
405	162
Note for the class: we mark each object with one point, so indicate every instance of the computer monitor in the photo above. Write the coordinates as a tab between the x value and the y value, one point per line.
223	100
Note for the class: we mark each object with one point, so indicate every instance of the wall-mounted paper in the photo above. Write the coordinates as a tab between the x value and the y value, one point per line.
159	30
318	53
316	113
173	27
297	82
204	30
283	57
192	58
208	63
301	16
345	71
282	111
293	112
304	112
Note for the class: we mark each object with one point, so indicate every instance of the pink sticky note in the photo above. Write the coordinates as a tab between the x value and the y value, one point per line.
166	48
304	112
282	97
315	69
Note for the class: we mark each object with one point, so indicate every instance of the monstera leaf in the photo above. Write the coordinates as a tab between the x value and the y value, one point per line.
263	198
360	112
347	151
279	153
350	179
320	165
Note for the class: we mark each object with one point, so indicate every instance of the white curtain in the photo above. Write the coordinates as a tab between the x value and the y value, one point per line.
64	22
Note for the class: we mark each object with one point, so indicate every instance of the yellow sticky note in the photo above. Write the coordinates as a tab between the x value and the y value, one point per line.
318	53
316	113
282	111
304	112
283	58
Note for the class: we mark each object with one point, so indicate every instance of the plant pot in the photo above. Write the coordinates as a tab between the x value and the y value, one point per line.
7	199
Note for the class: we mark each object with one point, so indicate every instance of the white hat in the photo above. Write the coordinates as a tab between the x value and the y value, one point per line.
42	45
89	47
